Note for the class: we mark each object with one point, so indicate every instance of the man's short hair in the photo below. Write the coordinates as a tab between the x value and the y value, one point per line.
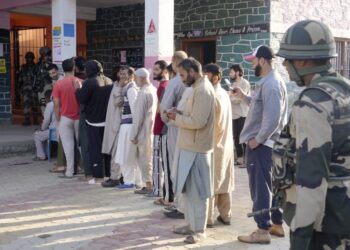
80	63
52	66
213	69
68	65
162	64
131	70
237	68
191	63
170	69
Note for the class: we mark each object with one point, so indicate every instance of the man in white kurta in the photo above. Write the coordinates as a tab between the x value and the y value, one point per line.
223	151
196	135
142	127
125	155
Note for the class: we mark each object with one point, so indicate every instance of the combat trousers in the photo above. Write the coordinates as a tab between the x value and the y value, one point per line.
259	162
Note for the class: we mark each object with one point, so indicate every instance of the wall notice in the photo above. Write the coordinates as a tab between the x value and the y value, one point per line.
2	66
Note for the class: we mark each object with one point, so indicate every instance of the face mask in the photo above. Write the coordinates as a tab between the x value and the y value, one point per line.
257	70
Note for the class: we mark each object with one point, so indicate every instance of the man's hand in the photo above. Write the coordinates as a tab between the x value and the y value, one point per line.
237	92
253	144
171	115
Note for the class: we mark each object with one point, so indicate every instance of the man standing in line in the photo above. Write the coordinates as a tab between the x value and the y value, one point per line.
265	120
223	151
110	136
196	138
125	154
67	113
142	127
172	95
160	74
239	110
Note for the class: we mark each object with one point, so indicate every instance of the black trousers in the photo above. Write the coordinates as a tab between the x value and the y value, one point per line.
237	126
100	163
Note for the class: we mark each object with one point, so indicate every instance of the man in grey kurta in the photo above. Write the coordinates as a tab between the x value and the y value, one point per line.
194	178
172	95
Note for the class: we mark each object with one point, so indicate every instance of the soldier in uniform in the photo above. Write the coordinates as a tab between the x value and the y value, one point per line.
43	80
315	164
26	80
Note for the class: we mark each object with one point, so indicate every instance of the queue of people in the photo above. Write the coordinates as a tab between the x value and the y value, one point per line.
179	142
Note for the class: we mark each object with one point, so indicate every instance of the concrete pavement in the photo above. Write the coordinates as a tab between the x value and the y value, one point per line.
38	210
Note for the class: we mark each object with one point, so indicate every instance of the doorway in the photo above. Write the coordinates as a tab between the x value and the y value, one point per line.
204	50
25	39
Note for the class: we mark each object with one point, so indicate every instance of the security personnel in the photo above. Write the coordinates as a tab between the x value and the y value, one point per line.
316	205
43	81
26	80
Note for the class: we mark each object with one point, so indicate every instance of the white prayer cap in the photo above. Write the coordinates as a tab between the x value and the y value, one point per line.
142	72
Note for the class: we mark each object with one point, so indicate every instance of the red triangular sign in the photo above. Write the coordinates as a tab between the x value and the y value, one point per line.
152	27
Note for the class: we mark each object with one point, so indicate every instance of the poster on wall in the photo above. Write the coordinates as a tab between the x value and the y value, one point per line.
2	66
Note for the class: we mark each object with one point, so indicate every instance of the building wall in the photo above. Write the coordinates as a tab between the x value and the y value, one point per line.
214	14
207	14
231	50
5	97
118	27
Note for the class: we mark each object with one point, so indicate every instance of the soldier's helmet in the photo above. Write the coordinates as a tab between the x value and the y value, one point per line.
45	50
308	39
30	54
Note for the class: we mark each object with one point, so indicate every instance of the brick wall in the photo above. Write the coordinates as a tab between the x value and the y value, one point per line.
5	99
207	14
231	50
114	28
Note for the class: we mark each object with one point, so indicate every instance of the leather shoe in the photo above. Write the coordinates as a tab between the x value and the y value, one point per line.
175	214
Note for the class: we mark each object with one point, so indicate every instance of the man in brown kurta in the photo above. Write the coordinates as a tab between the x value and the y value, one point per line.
223	150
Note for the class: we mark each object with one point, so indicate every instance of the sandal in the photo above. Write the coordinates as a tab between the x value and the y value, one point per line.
159	202
193	239
185	230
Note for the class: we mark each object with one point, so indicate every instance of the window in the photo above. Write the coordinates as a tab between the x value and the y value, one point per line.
342	63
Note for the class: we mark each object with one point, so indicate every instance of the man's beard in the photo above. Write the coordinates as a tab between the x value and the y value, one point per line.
55	78
190	81
158	77
257	70
233	79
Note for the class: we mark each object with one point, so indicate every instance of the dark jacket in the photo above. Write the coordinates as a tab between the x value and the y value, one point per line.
95	93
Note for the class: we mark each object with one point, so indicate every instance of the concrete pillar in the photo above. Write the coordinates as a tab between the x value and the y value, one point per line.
159	31
64	33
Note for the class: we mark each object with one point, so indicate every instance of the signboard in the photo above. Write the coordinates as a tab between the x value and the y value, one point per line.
236	30
68	30
2	66
56	31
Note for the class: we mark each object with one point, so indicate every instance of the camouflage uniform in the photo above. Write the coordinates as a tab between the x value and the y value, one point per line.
26	79
43	81
316	192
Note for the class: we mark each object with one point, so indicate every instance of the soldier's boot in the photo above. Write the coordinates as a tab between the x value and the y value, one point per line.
26	121
260	236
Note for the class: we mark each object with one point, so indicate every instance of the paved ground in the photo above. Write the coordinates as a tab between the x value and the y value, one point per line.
38	210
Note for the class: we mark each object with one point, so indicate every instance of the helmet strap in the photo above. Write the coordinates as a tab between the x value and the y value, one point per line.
314	70
295	76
